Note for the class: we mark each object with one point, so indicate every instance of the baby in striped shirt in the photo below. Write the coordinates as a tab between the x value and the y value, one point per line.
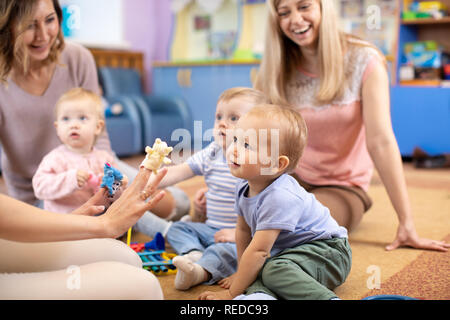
207	251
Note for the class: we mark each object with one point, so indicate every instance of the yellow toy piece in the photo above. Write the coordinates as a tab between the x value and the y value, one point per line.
157	155
161	272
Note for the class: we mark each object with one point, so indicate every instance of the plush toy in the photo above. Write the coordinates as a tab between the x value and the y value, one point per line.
115	109
112	179
157	155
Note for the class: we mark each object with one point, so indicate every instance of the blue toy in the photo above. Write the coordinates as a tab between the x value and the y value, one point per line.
388	297
112	179
157	243
153	256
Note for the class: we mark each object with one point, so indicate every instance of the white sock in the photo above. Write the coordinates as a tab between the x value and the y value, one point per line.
189	274
194	255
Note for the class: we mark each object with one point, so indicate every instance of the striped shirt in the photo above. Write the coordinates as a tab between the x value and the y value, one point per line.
220	198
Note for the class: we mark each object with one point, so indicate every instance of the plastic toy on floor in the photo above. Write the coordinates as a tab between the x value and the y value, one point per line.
157	155
388	297
153	256
421	159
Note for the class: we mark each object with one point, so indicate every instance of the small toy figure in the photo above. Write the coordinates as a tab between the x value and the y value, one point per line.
94	181
157	155
112	179
113	110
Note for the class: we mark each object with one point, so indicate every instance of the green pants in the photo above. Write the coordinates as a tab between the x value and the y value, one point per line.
307	272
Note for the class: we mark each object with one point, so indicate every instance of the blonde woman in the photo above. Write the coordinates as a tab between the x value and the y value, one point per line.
340	85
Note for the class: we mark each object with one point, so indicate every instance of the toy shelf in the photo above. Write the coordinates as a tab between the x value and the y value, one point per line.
423	29
445	20
420	83
421	102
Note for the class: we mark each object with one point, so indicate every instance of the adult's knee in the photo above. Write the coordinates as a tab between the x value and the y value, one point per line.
115	250
144	284
115	280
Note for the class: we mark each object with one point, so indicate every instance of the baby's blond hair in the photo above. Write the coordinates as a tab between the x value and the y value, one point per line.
82	95
292	126
257	96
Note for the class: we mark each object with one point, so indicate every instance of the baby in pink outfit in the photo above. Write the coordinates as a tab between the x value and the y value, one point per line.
71	173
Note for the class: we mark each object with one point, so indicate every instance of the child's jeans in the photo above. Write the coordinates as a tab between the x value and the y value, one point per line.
219	259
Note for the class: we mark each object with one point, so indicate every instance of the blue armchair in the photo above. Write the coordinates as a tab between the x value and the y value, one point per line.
160	115
125	130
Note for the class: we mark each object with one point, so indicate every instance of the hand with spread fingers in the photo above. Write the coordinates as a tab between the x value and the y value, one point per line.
408	237
140	196
23	222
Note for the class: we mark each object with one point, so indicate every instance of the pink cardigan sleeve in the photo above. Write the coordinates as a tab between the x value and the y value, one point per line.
53	180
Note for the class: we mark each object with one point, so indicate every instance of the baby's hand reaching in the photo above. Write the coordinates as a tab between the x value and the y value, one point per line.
220	295
200	205
226	282
225	235
82	177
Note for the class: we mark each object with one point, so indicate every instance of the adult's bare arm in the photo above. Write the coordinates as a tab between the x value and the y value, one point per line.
22	222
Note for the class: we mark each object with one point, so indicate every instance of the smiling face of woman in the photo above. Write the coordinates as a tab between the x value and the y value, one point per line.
39	31
300	21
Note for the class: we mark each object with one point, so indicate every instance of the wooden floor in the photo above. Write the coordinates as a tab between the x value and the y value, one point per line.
429	191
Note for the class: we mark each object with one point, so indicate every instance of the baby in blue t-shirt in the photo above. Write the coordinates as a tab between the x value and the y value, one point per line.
207	252
288	245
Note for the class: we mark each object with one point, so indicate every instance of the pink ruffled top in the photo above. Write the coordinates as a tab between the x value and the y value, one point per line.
336	152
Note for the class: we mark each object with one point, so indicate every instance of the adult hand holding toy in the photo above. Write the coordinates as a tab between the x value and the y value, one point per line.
23	222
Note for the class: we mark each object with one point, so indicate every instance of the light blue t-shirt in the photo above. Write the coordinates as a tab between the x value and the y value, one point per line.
211	163
286	206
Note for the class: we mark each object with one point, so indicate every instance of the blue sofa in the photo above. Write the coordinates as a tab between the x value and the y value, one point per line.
159	115
125	130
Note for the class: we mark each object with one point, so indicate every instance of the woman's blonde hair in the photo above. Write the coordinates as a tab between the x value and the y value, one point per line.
13	16
281	56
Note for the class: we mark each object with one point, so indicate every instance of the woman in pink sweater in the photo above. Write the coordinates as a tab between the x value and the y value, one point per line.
37	66
340	86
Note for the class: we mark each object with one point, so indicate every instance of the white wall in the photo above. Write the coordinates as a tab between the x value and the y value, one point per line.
97	23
